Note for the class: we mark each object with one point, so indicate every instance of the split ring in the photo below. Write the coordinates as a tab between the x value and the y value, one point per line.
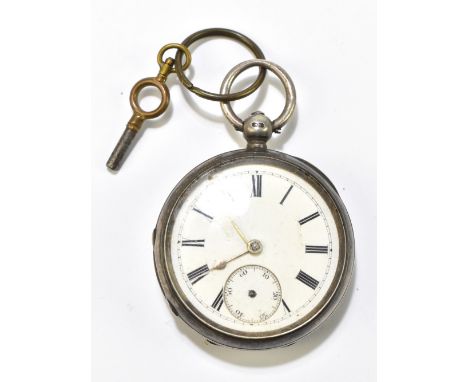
180	48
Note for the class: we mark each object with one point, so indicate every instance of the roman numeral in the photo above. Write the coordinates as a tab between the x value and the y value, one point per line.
257	186
286	306
307	280
316	249
286	195
210	218
308	218
193	243
218	302
197	274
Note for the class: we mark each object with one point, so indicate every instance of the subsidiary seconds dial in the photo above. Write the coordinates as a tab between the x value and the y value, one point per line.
252	293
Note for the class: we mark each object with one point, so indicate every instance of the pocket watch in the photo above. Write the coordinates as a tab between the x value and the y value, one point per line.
254	248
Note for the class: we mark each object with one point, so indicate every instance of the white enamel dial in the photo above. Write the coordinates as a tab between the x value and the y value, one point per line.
263	219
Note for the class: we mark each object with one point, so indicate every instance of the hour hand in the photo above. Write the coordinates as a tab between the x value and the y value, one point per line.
222	264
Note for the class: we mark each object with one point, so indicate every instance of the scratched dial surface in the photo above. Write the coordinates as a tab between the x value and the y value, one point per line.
256	219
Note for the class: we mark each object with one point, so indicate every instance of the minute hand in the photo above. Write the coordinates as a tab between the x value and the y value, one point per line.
239	232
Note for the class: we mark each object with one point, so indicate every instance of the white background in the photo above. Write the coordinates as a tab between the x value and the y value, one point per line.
329	49
45	246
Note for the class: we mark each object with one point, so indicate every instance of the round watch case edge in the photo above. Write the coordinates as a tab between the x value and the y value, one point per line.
219	337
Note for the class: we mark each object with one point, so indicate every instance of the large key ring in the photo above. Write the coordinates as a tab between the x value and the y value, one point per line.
224	33
287	82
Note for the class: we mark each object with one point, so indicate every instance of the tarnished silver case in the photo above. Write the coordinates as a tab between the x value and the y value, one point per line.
224	336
